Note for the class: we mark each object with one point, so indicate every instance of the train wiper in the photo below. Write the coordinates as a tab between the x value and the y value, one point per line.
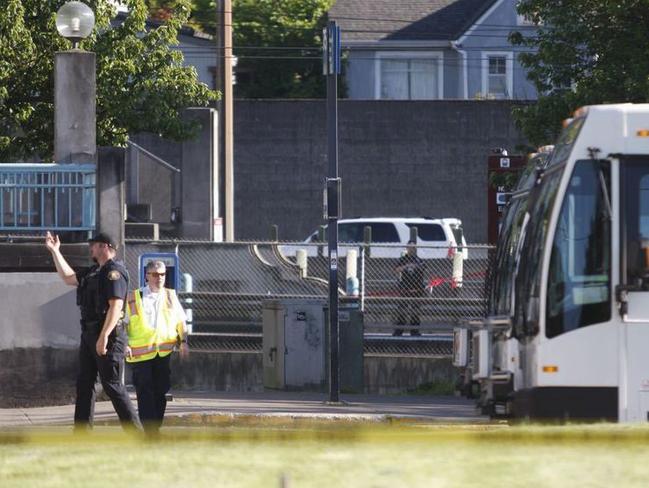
607	200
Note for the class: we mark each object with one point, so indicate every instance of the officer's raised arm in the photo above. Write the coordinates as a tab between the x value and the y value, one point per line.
67	274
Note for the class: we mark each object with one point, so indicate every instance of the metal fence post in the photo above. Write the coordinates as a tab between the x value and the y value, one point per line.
367	239
362	284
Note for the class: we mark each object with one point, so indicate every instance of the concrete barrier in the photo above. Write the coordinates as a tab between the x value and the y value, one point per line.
38	310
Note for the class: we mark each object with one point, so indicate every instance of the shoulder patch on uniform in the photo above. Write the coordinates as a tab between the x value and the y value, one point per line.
114	275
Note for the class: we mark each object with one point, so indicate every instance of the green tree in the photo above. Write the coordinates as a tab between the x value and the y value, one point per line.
141	83
268	73
587	52
277	42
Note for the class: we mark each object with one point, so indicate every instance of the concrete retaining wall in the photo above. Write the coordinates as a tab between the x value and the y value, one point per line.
38	310
244	372
39	336
397	159
46	376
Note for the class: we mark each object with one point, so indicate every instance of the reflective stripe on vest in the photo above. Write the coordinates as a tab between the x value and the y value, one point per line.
146	341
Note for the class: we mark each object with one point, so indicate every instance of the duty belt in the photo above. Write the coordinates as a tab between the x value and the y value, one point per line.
96	325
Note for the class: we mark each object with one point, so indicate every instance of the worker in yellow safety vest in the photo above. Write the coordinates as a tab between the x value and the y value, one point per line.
156	325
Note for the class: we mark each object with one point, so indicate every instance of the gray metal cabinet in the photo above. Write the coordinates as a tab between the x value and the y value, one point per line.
294	344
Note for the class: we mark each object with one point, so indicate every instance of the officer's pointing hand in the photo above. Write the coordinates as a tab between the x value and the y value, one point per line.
102	344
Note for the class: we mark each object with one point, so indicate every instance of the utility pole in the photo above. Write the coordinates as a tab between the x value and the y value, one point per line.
331	69
225	116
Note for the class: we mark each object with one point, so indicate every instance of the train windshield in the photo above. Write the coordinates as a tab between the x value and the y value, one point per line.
579	279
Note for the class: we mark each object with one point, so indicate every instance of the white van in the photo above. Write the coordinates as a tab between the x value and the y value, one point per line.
390	235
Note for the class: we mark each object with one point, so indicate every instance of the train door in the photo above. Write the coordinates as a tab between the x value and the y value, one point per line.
633	292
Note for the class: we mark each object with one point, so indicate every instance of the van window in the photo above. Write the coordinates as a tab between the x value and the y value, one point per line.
429	232
350	232
458	233
383	232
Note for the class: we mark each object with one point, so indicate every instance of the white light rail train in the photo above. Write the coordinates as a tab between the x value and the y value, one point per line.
567	330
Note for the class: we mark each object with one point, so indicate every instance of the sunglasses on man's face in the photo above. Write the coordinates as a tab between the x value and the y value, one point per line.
156	275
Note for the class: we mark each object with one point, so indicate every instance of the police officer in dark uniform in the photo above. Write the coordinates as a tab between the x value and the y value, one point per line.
101	292
410	268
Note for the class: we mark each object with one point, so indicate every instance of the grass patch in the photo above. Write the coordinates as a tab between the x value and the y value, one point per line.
339	454
439	387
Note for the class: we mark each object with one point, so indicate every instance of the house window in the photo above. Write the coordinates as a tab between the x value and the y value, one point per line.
497	81
497	77
408	78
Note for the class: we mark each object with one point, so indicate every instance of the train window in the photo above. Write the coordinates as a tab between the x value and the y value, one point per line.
579	292
531	243
636	221
506	258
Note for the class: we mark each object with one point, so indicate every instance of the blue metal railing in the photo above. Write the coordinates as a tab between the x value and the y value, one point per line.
37	197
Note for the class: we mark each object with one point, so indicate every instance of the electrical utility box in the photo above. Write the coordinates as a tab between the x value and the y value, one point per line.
294	344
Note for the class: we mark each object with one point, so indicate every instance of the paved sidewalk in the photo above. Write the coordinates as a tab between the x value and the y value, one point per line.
272	404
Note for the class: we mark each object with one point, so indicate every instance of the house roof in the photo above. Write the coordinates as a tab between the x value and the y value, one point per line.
406	20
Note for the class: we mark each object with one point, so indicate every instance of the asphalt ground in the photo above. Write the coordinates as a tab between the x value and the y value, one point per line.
271	405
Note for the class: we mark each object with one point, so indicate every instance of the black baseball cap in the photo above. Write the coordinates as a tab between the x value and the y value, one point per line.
104	238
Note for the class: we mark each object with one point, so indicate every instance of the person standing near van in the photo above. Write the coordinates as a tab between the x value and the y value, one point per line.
156	326
410	268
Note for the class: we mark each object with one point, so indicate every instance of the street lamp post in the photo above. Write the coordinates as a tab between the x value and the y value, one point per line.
75	133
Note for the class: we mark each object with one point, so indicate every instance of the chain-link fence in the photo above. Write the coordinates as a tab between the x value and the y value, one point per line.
225	284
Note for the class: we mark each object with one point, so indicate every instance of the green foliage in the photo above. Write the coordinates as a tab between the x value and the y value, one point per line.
437	387
507	180
141	83
286	23
589	52
259	28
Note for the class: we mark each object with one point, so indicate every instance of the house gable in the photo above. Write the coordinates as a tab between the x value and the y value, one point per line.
469	38
420	20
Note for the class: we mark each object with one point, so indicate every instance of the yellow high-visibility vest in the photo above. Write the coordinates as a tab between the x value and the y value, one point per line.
144	339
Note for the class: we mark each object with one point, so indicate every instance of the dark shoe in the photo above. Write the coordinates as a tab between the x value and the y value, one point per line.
415	333
397	333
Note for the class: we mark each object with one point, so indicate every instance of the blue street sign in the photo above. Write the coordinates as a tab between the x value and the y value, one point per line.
331	50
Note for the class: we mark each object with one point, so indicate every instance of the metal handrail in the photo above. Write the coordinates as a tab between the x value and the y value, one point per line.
47	196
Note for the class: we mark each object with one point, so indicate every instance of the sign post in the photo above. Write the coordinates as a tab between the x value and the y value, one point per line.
331	69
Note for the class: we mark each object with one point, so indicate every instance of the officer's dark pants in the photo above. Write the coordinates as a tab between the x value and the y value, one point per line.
109	369
152	380
408	311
